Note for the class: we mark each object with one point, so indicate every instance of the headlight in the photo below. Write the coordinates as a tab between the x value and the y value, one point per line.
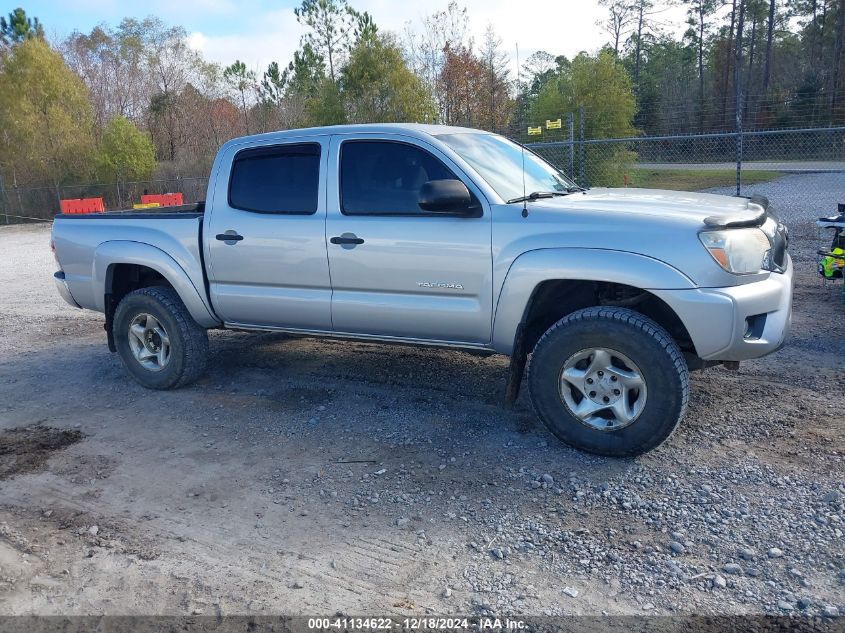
739	251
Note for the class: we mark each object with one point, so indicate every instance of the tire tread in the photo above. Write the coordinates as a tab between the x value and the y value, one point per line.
634	319
194	335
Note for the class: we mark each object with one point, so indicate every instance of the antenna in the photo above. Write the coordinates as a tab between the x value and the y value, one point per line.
521	146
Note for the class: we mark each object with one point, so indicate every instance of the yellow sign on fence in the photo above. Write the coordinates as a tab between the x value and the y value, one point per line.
534	131
553	125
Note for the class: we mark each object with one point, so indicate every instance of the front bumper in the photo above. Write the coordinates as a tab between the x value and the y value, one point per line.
739	322
61	286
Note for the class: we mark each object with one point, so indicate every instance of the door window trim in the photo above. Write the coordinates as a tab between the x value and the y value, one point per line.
478	208
270	149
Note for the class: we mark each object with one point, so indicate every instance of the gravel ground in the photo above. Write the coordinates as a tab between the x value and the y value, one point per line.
315	477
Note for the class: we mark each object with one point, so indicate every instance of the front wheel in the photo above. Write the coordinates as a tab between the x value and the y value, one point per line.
609	381
160	344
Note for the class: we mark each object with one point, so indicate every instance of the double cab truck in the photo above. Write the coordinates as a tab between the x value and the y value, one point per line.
445	236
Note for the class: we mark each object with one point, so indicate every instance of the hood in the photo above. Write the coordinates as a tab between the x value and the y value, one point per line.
679	205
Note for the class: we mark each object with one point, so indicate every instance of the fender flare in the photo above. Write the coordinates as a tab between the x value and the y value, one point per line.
532	268
115	252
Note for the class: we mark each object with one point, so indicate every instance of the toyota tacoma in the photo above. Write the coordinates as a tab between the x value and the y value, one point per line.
604	299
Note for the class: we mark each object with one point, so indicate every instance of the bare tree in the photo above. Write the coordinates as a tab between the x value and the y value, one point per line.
497	82
426	49
172	64
111	63
621	14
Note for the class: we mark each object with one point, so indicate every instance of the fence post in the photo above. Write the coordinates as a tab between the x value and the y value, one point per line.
738	80
18	196
58	197
3	200
738	152
117	186
570	125
581	167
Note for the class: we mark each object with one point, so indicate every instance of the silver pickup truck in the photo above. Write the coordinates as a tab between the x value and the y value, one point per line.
452	237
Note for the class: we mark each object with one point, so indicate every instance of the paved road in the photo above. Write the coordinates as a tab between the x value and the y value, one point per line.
784	166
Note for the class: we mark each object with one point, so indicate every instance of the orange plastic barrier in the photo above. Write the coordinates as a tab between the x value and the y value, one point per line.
163	199
82	205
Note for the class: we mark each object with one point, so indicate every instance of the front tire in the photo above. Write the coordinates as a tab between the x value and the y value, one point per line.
160	344
609	381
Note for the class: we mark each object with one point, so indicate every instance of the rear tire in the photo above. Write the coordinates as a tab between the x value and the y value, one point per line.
638	381
160	344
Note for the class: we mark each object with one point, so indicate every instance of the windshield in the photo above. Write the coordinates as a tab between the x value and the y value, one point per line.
499	162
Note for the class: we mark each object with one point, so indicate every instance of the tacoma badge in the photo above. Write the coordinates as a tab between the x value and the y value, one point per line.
439	284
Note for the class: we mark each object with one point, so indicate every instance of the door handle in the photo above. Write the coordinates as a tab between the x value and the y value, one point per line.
229	237
347	238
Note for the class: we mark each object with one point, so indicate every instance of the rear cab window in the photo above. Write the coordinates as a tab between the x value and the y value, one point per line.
280	179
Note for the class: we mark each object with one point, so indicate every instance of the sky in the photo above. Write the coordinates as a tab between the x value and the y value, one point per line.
260	31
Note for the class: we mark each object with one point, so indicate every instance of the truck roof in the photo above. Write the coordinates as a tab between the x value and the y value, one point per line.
420	130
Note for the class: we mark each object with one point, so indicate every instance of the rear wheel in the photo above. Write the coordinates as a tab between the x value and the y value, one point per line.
609	381
160	344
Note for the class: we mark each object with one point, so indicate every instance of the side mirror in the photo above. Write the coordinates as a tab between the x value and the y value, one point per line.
444	196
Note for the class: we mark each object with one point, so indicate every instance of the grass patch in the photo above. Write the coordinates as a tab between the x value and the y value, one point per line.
695	179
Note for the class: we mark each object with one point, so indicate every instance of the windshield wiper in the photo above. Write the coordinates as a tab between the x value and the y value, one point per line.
535	195
575	189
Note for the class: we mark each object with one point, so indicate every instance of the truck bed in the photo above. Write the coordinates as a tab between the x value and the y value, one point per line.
79	239
195	210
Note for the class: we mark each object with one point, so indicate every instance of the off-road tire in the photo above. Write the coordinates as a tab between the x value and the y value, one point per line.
646	343
188	340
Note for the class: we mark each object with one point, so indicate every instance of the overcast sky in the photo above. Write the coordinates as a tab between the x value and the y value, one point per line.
260	31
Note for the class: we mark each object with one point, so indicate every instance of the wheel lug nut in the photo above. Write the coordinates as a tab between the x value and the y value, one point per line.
613	378
615	392
589	381
601	373
592	394
606	399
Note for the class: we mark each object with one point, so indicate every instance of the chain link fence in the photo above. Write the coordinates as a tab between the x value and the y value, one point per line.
618	162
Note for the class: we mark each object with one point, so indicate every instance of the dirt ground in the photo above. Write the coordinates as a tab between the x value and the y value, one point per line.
316	477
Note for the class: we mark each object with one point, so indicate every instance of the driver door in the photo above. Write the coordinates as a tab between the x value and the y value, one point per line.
398	271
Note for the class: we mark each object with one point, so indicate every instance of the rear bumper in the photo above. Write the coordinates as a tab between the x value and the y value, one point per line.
739	322
61	286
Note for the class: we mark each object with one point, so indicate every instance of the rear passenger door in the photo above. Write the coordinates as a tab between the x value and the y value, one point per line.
265	238
399	271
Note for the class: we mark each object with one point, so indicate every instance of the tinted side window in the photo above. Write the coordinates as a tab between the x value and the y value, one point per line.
281	179
384	178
